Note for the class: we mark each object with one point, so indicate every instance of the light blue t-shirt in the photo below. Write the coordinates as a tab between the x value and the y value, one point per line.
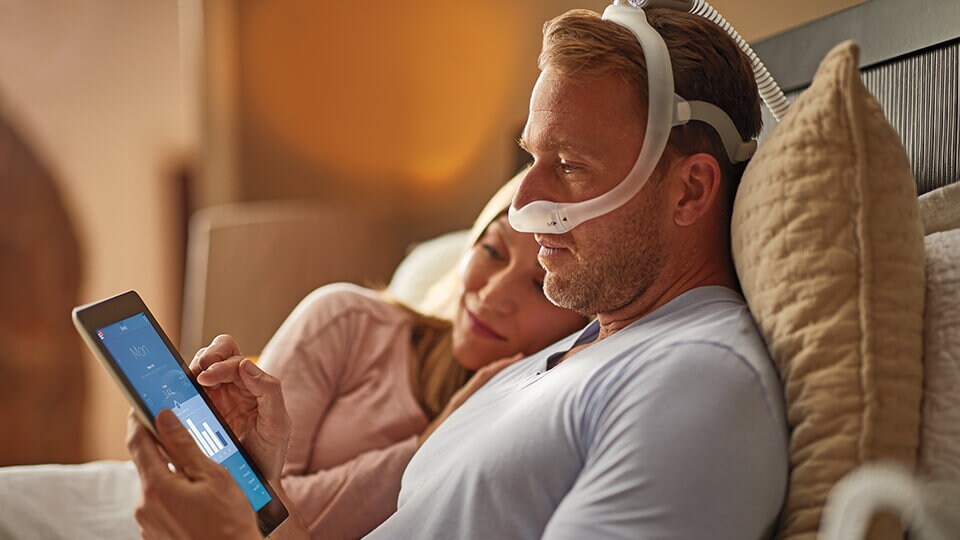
672	428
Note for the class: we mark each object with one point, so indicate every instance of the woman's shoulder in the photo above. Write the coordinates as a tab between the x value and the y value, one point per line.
347	299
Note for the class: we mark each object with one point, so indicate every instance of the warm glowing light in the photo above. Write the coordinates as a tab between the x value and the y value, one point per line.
381	90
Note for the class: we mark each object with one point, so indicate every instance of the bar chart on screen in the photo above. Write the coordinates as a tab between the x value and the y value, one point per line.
205	429
162	383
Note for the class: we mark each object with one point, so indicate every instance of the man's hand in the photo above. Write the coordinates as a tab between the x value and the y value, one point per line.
249	399
198	500
479	378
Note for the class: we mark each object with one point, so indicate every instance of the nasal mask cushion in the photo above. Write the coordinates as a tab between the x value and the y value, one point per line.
665	110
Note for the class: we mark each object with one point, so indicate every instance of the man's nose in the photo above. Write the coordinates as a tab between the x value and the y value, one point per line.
531	187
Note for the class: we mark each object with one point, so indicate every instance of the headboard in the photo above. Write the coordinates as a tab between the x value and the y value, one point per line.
910	60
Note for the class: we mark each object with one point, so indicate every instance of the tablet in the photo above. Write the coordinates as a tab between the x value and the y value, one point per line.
126	338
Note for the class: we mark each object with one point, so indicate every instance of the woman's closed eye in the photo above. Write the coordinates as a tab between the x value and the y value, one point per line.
492	251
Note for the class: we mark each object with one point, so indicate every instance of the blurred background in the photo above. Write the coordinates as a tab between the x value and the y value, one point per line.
223	157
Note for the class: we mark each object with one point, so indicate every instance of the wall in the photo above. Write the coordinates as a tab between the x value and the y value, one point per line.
756	20
96	87
410	108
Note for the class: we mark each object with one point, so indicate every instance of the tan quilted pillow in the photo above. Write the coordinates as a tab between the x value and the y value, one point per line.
940	441
828	246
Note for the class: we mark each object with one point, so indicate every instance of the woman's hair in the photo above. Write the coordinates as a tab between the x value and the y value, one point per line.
435	374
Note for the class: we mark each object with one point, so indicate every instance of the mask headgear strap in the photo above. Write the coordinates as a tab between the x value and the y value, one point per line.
664	110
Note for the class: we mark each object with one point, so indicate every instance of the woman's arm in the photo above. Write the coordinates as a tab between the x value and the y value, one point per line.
308	354
316	355
353	498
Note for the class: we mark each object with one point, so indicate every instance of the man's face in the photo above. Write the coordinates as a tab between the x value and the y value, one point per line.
584	134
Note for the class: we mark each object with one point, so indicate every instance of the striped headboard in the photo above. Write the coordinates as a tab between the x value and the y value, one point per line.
910	60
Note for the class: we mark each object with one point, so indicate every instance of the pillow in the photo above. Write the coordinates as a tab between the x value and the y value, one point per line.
426	263
828	246
940	436
70	502
940	209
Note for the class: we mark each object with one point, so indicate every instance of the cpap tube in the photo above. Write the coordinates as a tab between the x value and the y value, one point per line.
664	111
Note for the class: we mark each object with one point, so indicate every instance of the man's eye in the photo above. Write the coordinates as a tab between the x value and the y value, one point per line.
567	167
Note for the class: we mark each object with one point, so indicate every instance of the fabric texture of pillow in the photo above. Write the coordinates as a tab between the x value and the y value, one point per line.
940	209
828	245
940	436
427	262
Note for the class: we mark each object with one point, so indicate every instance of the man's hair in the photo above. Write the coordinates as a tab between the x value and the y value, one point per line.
707	66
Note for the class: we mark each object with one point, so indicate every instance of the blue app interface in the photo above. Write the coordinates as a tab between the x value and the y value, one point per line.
155	374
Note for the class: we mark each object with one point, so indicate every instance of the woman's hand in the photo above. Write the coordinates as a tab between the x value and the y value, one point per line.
249	399
479	378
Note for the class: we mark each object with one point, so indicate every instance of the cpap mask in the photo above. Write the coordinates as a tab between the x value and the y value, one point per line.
665	110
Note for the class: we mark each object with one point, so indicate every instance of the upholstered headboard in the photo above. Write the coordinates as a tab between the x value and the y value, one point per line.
910	60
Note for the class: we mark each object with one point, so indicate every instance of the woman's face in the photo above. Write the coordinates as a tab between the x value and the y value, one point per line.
502	310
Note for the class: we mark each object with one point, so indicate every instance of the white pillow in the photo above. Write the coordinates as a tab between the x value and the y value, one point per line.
940	427
940	209
77	502
425	265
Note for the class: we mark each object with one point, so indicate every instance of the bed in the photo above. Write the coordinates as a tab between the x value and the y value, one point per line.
910	60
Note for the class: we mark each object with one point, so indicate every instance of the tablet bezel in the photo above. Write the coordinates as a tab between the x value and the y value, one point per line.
92	317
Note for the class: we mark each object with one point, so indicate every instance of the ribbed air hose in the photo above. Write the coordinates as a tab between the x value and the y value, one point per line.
769	89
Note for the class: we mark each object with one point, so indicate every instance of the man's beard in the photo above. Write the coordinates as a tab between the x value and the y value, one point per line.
612	272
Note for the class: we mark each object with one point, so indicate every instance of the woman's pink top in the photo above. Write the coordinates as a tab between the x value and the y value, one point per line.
343	358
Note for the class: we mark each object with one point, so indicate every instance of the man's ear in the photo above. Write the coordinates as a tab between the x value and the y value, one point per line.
698	184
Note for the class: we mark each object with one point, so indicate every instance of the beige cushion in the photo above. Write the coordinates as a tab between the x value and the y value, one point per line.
828	246
940	209
940	439
426	263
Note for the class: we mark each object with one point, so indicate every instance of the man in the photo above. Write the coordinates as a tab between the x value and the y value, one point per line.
663	418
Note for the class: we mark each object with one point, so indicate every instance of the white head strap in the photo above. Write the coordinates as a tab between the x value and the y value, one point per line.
664	111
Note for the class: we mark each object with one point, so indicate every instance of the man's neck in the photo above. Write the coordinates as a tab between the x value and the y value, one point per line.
656	296
611	322
653	298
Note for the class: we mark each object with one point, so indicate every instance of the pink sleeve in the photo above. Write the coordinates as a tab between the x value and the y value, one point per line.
308	355
351	499
313	355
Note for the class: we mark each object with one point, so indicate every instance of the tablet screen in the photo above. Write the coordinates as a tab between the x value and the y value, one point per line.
161	383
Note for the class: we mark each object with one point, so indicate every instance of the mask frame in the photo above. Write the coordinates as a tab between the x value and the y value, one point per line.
665	110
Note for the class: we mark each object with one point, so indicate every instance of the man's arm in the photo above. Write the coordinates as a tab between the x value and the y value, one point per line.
199	499
686	446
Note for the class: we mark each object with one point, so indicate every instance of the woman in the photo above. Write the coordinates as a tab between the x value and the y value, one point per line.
364	376
365	379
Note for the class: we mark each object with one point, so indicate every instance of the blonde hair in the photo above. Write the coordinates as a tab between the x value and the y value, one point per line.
435	375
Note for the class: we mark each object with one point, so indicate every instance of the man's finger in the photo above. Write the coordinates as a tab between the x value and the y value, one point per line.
144	451
266	388
195	363
225	371
181	447
221	348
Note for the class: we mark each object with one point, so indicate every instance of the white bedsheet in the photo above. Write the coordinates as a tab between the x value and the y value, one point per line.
90	501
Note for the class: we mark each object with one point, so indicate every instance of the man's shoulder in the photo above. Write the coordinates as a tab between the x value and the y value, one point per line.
711	332
705	352
704	320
